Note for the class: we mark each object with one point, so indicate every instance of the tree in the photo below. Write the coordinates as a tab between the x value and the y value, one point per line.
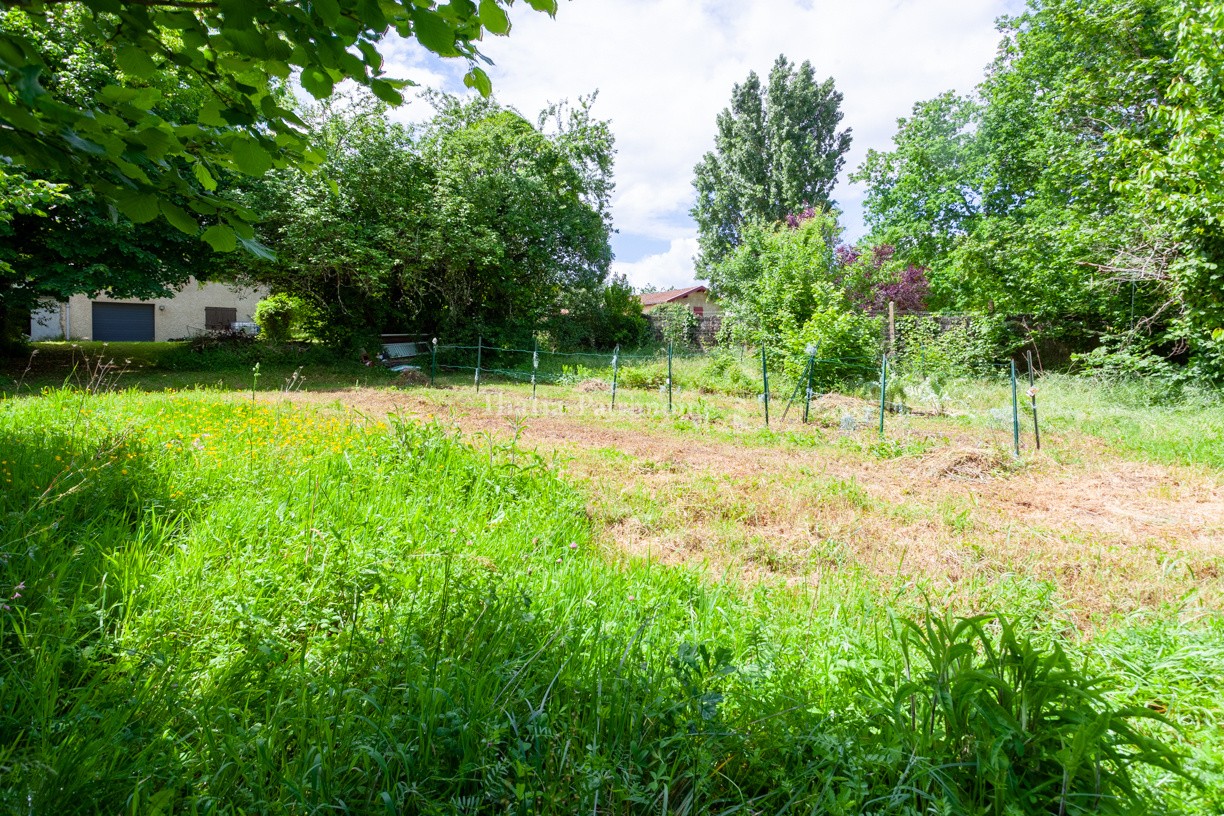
514	222
767	284
74	243
123	150
927	191
777	150
597	317
788	286
1018	200
1183	185
475	224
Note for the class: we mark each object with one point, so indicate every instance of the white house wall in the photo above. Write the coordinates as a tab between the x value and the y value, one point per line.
174	318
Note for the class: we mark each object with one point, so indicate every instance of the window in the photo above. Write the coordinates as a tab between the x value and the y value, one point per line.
699	310
217	318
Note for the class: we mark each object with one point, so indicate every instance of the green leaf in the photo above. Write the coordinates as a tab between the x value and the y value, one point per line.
547	6
371	55
210	114
434	33
494	17
257	249
478	79
385	91
136	61
147	98
84	145
328	11
204	177
317	82
28	86
139	207
277	68
180	218
251	157
221	238
241	228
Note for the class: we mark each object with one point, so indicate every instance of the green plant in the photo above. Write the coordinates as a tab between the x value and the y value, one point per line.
676	323
278	316
846	342
988	720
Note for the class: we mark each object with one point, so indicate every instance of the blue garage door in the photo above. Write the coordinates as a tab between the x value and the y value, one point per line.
123	321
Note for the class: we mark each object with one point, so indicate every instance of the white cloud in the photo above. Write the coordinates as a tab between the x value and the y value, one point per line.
672	269
664	69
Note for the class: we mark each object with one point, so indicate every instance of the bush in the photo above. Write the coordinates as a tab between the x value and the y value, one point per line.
214	352
597	318
278	316
725	374
845	342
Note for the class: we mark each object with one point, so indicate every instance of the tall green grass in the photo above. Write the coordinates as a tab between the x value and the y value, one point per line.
217	606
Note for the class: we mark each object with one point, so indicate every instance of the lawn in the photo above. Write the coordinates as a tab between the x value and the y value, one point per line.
378	600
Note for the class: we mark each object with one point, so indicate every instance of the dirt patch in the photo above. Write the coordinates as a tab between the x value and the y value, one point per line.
593	386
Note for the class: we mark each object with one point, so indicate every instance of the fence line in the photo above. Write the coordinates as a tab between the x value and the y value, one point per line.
888	375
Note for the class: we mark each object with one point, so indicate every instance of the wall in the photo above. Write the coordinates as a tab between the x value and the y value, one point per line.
173	318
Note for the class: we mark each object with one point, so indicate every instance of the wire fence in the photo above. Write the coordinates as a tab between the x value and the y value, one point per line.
866	391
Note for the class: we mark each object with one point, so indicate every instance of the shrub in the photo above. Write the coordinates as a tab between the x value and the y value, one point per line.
845	342
929	347
278	316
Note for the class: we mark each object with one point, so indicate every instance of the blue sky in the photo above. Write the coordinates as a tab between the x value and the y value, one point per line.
664	69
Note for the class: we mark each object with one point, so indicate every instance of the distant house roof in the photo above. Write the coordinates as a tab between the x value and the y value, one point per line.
655	298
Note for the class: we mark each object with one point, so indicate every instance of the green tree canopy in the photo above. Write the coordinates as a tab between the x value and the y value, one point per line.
1057	195
123	149
74	242
475	223
777	151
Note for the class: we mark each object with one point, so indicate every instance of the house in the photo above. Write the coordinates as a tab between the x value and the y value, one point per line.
696	298
194	309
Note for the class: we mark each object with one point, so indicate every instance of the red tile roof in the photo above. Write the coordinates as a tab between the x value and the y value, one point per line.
655	298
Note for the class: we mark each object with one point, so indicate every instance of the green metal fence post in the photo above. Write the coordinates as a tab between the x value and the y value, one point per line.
669	378
615	371
479	346
1015	411
883	389
1033	398
765	380
535	365
433	362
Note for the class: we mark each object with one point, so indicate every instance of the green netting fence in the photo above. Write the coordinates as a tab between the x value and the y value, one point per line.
889	387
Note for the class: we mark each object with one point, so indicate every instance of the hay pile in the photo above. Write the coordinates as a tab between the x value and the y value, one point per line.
410	377
970	464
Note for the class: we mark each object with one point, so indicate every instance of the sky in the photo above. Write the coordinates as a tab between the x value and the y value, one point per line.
665	68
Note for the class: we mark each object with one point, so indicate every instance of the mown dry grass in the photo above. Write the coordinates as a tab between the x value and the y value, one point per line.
939	505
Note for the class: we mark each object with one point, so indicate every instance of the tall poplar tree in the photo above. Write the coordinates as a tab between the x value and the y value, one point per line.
777	151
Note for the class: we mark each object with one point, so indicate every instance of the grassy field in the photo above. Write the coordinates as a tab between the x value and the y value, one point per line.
370	600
